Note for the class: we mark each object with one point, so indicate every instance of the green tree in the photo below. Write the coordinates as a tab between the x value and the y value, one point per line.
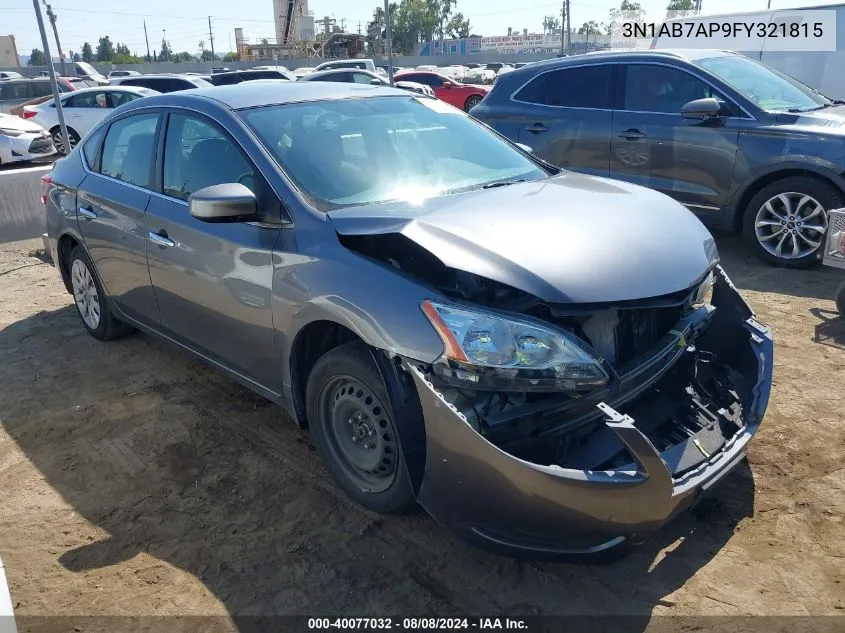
208	56
105	50
444	10
77	57
627	12
126	59
415	21
121	49
458	26
588	28
230	57
37	58
87	53
680	8
164	54
550	24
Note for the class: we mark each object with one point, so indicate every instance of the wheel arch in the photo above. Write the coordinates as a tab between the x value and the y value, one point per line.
758	181
64	245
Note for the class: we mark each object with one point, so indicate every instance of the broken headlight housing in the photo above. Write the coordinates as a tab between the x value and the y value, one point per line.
485	350
704	295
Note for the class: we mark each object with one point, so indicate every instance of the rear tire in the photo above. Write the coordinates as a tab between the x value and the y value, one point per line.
471	102
59	142
353	427
91	302
786	221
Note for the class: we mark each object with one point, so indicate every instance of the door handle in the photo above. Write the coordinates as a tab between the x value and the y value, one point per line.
88	214
632	135
161	238
536	128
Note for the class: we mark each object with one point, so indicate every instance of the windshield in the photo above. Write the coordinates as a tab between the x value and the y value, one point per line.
764	86
363	151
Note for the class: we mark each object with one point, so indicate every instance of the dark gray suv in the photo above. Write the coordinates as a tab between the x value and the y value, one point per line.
740	144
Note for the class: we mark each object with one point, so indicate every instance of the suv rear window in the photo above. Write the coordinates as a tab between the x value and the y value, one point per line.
579	87
40	89
11	90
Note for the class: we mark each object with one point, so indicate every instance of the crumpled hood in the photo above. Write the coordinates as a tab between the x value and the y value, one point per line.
570	238
16	123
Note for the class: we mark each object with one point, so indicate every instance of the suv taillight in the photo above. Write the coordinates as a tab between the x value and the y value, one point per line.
46	180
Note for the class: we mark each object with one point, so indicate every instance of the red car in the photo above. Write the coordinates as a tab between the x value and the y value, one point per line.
464	96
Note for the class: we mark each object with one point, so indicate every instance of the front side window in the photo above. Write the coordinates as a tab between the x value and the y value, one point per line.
128	149
361	78
764	86
655	88
365	151
197	154
580	87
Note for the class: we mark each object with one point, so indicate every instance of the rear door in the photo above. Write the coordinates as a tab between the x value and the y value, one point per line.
111	207
654	146
213	281
567	116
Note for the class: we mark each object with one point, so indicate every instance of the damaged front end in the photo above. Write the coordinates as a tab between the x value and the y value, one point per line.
656	409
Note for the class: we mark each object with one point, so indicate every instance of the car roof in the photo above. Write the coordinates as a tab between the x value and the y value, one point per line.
117	88
159	76
341	71
688	55
272	92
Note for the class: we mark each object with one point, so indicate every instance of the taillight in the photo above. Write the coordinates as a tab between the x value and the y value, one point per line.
46	180
28	115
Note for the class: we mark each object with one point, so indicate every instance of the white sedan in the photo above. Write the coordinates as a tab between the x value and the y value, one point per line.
22	140
83	109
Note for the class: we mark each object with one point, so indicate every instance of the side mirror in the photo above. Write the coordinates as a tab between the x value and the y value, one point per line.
375	82
702	109
447	84
525	148
229	202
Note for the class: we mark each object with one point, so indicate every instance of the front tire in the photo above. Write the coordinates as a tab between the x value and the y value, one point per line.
90	300
353	427
786	221
59	142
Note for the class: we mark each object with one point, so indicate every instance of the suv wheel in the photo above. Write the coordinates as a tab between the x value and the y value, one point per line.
353	428
786	221
90	299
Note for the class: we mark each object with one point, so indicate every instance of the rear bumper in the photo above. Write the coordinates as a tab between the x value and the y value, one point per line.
525	509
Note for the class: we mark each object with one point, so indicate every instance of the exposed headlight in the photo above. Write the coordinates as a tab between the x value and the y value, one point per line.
704	294
494	351
8	132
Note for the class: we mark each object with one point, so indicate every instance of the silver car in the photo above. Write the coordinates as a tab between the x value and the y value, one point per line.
552	364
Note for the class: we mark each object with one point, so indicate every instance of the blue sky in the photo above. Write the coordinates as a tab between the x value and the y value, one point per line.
187	25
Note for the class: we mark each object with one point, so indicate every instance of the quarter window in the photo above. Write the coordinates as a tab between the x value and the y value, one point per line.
92	144
654	88
580	87
197	154
128	149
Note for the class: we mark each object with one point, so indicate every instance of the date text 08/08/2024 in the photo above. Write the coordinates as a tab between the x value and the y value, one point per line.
714	29
417	624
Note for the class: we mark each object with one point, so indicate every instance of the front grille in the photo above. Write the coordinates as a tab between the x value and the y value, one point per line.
640	329
40	145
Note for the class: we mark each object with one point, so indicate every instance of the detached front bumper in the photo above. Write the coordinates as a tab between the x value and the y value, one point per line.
520	508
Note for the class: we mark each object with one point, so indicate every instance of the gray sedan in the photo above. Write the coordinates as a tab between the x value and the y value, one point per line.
456	323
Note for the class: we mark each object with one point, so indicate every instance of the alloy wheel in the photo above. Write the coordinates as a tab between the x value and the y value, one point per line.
59	142
85	294
472	102
360	433
791	225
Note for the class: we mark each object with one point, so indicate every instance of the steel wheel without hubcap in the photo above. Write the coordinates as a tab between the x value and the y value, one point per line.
360	433
791	225
85	294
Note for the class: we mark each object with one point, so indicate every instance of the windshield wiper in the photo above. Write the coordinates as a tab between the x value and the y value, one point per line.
501	183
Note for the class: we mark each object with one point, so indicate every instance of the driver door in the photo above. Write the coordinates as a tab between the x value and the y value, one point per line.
654	146
213	281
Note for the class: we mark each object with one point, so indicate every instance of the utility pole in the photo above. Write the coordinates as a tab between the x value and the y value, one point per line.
59	110
568	28
147	39
211	38
562	24
52	17
389	41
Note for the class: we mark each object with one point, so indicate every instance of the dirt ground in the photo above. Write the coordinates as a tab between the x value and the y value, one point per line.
137	481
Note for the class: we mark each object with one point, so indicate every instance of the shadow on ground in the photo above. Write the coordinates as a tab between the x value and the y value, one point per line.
172	459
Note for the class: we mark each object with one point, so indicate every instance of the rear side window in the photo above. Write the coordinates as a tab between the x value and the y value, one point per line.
581	87
40	89
11	90
128	149
86	100
226	80
92	146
